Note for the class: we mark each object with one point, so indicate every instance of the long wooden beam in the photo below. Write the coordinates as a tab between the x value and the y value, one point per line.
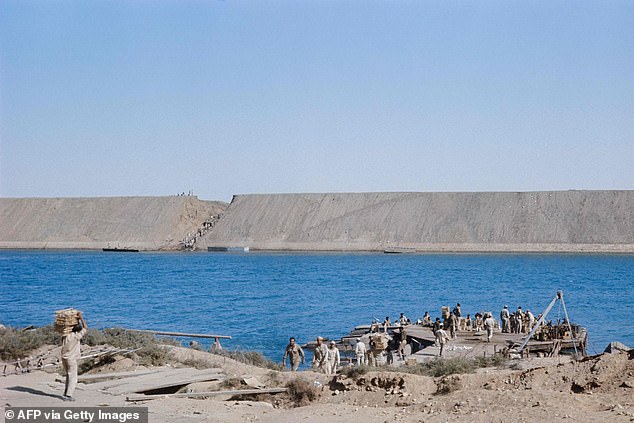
207	394
187	335
120	375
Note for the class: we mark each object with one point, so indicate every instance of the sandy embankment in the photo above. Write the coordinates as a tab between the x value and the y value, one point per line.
598	388
544	221
143	223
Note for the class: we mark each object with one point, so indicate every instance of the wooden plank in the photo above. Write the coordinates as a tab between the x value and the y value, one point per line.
181	382
187	335
163	380
159	374
207	394
121	351
107	384
137	388
125	374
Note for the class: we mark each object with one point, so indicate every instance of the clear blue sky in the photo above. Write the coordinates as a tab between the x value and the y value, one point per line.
103	98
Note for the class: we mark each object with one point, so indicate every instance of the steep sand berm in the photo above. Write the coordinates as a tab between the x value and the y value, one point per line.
144	223
558	221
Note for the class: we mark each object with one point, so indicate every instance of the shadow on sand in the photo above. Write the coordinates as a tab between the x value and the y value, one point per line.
33	391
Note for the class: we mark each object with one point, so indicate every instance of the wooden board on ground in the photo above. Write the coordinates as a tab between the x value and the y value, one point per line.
108	384
174	378
162	378
207	394
122	375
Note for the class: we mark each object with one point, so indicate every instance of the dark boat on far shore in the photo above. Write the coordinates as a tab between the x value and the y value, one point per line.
121	250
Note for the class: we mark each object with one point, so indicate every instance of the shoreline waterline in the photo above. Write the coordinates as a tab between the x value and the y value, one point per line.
263	298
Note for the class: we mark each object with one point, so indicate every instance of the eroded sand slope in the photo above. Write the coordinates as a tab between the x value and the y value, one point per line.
144	223
574	221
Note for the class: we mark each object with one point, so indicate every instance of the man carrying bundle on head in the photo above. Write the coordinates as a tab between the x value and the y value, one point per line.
71	337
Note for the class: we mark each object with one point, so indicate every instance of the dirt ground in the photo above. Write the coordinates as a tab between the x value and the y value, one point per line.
595	389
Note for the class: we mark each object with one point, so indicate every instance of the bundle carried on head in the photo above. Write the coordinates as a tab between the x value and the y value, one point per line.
445	311
380	341
65	320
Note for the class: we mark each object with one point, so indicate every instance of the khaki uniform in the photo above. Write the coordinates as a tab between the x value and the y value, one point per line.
333	360
452	321
441	339
506	320
360	353
319	357
478	322
531	320
295	354
519	317
402	344
71	353
489	324
427	320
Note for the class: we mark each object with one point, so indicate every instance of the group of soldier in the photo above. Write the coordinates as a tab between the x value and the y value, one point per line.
326	358
517	322
453	321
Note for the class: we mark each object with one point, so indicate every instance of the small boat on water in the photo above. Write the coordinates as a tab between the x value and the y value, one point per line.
399	250
228	249
120	249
